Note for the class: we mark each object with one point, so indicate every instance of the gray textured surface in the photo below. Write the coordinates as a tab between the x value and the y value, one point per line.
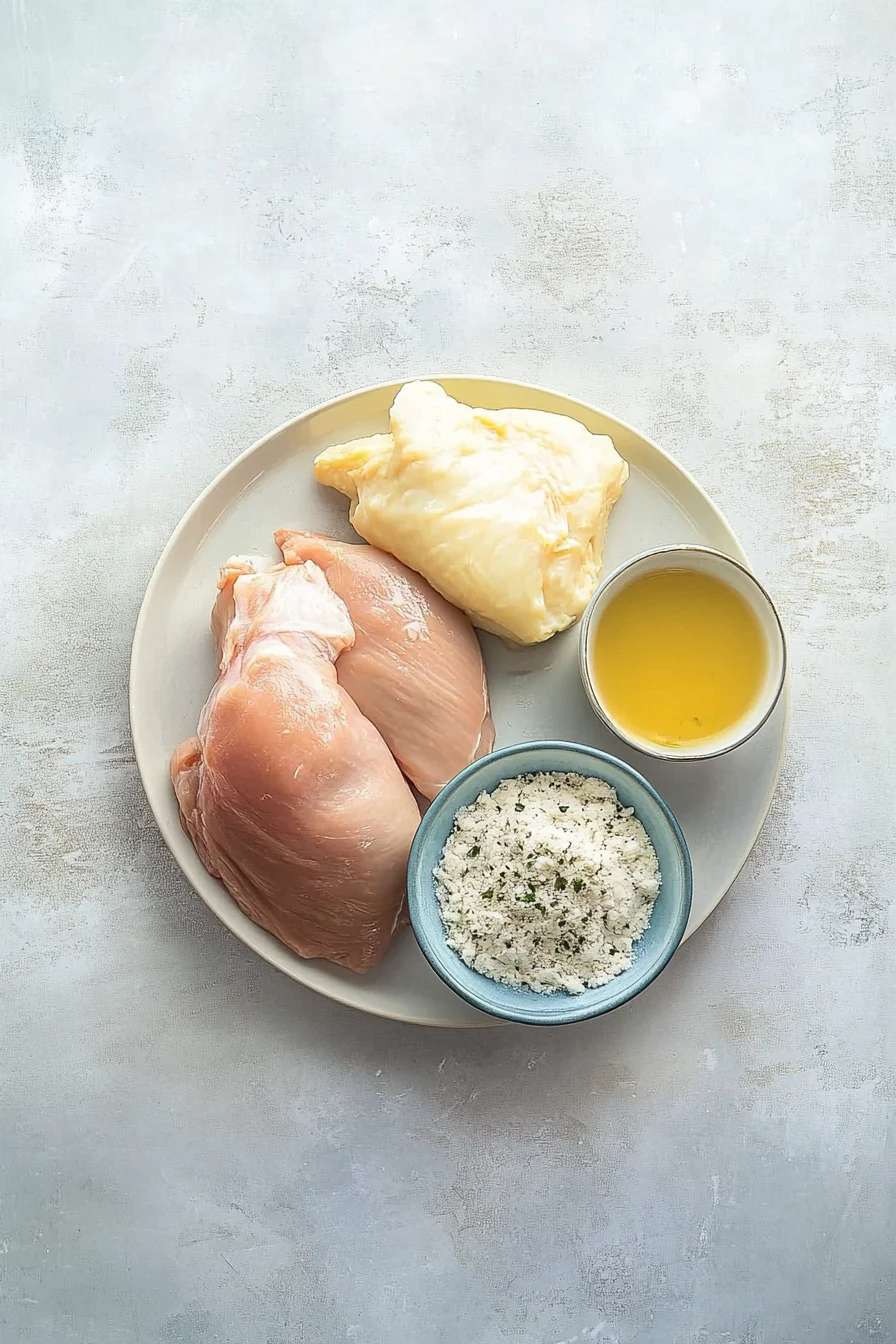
214	214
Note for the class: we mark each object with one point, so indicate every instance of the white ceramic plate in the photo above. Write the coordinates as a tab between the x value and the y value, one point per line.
536	693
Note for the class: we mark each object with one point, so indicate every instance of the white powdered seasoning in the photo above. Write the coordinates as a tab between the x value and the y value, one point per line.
546	883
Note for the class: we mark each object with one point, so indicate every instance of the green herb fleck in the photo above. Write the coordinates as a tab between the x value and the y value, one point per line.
560	883
474	852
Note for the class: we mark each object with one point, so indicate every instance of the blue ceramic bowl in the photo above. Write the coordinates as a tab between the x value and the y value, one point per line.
651	952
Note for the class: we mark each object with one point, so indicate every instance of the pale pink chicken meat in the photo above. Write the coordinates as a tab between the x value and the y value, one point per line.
289	793
415	668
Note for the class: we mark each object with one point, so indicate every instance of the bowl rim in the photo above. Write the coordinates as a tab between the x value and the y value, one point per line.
654	750
584	1013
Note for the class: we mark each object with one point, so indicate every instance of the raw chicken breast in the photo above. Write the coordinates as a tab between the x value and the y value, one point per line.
504	512
415	668
224	609
288	792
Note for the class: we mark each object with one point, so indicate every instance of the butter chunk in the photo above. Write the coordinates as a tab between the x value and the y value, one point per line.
503	512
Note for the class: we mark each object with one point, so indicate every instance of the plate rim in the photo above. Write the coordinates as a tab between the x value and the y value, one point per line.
316	409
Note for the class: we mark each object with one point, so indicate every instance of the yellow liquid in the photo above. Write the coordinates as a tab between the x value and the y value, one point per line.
677	657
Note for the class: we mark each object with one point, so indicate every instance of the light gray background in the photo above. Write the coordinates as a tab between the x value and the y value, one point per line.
215	213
